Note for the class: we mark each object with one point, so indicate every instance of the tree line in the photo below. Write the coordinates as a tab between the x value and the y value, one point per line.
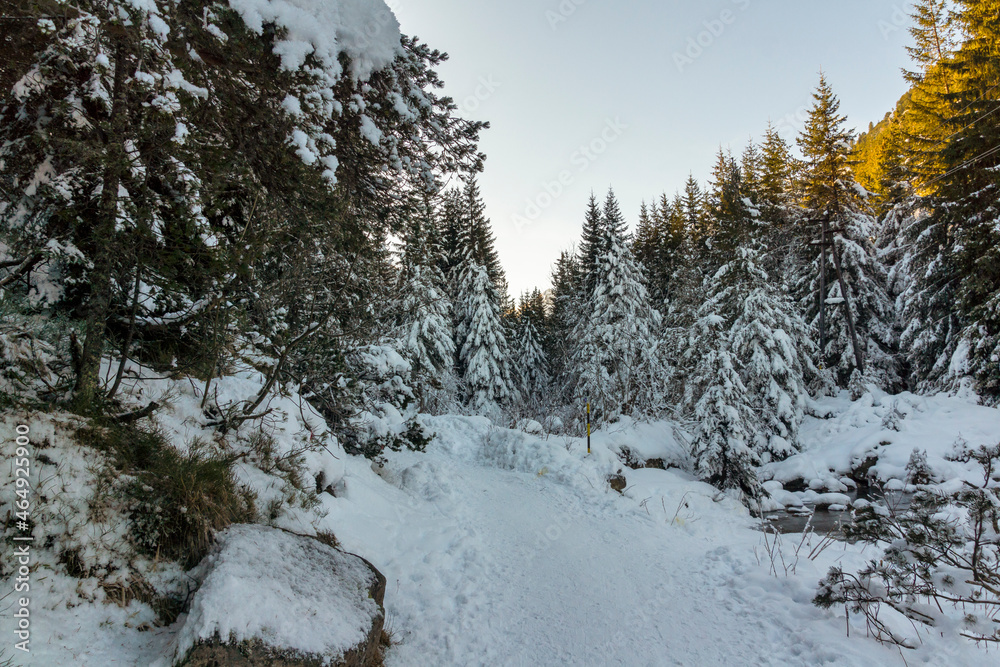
171	192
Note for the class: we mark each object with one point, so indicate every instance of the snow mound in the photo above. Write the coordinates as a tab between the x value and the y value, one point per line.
645	441
292	592
885	429
365	30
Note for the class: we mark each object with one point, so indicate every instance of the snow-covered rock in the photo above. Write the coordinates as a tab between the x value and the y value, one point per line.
269	593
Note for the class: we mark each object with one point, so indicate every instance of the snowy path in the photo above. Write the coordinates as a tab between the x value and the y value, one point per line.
497	567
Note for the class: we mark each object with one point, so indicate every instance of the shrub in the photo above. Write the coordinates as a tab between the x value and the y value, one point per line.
177	500
943	552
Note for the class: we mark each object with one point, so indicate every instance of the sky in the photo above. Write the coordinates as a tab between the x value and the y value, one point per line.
585	95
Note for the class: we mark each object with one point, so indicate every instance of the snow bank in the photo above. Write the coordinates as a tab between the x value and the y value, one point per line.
291	592
656	440
887	428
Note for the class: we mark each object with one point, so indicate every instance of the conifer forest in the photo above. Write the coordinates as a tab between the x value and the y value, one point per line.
267	395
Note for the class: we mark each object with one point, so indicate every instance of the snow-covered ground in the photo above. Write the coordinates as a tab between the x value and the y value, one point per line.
879	432
504	548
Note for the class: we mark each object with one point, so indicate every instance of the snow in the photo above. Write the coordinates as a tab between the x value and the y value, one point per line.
365	30
503	547
292	592
656	440
854	431
70	620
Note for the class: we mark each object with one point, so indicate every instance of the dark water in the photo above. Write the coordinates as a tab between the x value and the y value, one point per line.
825	522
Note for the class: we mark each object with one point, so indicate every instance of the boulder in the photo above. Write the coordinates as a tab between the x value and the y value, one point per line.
271	597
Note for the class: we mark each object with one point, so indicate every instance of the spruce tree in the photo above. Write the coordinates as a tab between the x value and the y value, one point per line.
566	310
591	246
645	243
751	166
168	136
616	364
485	352
841	283
698	225
951	308
726	423
933	33
776	168
426	338
771	345
531	366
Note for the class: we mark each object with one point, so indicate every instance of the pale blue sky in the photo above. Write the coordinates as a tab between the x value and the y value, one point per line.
627	80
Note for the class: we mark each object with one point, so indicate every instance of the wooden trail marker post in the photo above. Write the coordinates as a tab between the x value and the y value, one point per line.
588	428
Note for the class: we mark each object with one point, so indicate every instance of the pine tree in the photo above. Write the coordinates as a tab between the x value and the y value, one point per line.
566	310
163	209
426	331
722	173
966	194
726	423
751	166
451	221
694	212
733	221
953	329
93	136
616	363
591	246
531	364
856	320
771	344
645	244
670	222
933	34
613	223
485	350
776	168
480	236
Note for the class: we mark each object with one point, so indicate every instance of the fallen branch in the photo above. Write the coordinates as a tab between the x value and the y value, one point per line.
25	265
136	415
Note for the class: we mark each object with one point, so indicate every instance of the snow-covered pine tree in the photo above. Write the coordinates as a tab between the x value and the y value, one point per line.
530	365
93	136
848	260
957	245
772	345
769	341
472	246
617	363
426	339
726	423
426	332
485	352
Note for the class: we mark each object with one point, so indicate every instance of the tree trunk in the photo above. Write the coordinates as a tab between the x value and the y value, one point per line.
88	380
859	359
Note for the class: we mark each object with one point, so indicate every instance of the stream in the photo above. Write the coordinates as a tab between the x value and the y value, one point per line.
823	521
